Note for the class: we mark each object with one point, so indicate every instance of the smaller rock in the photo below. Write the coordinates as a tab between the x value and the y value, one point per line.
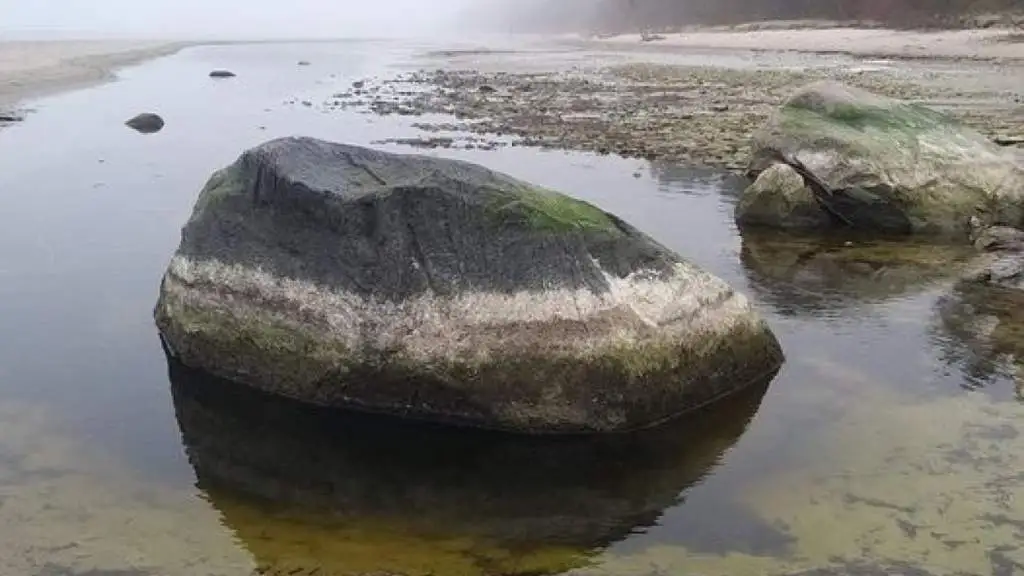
10	117
222	74
1009	140
358	84
995	238
720	108
307	103
1002	270
146	123
780	197
487	89
303	63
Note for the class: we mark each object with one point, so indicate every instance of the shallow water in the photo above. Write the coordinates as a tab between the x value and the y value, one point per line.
891	442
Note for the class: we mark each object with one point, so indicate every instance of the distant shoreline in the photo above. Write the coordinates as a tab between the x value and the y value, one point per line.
35	68
973	44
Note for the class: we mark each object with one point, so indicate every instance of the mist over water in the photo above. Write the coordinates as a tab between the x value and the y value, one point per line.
229	19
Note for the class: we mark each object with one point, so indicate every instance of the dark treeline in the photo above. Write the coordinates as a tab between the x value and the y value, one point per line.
626	15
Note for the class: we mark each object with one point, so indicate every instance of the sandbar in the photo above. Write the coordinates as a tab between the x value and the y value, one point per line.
30	69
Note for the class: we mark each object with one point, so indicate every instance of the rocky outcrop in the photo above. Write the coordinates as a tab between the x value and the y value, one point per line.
882	165
438	289
146	123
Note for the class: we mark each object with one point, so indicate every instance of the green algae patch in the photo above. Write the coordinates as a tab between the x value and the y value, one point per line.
896	116
545	210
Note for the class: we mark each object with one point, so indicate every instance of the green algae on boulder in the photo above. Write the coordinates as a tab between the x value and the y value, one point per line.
442	290
889	166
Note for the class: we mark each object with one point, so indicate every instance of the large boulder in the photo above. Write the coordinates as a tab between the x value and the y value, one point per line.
438	289
885	165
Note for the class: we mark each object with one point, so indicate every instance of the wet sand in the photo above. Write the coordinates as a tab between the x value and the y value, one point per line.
986	44
35	68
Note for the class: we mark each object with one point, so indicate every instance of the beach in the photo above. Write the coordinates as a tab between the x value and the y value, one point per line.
890	443
37	68
972	44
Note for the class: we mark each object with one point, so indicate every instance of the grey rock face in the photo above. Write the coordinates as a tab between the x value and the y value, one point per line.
439	289
146	123
889	166
779	198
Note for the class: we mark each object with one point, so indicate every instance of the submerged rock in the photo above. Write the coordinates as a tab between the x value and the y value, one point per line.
885	165
222	74
146	123
438	289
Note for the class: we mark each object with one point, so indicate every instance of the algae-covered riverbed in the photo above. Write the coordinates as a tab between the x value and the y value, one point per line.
890	443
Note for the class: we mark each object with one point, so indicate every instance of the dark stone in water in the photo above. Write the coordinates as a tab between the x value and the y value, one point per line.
146	123
10	117
438	289
303	63
222	74
356	476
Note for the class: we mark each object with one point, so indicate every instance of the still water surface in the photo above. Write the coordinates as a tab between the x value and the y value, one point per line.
890	442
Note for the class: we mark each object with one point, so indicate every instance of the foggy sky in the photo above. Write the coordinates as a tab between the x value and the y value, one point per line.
229	18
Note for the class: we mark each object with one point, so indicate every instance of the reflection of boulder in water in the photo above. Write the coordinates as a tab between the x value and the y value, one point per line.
343	493
980	329
801	274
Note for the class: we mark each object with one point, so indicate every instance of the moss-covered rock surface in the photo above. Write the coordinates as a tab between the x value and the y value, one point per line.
888	165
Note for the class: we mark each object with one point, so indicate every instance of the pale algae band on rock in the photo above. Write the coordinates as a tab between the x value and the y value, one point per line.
438	289
886	165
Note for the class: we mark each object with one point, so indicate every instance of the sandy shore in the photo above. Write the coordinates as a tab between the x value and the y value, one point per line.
987	44
35	68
